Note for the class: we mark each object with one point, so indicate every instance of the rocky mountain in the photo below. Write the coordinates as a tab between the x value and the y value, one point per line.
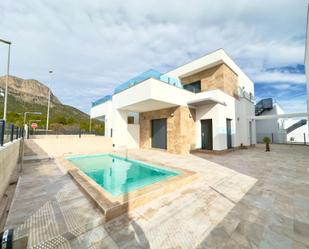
26	95
29	90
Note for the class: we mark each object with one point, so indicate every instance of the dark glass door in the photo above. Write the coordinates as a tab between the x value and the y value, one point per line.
229	132
158	133
206	132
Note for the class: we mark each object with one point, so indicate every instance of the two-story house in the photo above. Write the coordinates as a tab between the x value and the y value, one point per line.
205	104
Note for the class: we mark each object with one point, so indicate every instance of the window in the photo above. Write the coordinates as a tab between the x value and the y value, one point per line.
130	120
193	87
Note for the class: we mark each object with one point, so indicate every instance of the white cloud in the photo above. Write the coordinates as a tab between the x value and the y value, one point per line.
293	105
278	77
94	45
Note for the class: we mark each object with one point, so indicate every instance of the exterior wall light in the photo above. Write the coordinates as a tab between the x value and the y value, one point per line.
172	114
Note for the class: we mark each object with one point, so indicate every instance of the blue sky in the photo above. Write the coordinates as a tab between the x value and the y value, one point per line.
291	94
92	46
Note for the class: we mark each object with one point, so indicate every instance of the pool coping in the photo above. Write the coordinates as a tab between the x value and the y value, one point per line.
114	206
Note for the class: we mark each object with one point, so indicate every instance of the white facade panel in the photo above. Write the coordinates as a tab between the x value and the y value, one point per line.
307	64
104	112
245	125
215	58
150	95
239	111
133	136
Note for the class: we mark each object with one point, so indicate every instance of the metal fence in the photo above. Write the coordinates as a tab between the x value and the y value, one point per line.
284	138
81	132
283	130
9	132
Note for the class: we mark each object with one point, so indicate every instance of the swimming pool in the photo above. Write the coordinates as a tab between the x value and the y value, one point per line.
119	175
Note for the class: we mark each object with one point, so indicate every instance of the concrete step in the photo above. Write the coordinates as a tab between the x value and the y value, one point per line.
37	158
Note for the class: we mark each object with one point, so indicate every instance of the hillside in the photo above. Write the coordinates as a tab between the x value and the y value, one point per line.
28	90
32	95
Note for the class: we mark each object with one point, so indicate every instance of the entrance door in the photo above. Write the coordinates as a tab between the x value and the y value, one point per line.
229	132
206	132
158	133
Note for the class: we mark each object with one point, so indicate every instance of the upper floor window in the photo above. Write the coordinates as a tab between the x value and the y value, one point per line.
193	87
130	120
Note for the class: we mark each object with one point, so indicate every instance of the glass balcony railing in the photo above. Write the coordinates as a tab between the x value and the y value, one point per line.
142	77
102	100
146	75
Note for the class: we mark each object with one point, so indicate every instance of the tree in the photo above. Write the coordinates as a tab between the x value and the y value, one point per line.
61	120
71	120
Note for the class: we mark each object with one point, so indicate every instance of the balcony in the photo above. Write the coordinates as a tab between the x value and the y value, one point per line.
102	100
150	95
147	75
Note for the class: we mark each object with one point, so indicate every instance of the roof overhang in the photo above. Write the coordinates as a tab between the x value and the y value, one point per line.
208	61
101	110
207	98
206	101
150	95
148	105
201	68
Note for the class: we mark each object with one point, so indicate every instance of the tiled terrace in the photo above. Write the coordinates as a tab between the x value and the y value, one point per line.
244	199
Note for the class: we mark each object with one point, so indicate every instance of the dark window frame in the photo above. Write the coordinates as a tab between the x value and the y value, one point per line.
194	87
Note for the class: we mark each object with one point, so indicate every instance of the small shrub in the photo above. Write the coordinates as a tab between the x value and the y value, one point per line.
266	141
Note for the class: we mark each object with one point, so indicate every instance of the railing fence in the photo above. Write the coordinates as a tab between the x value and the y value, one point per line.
283	138
78	132
9	132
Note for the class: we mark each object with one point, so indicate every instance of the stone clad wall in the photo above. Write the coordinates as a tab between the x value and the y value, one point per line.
218	77
180	128
9	154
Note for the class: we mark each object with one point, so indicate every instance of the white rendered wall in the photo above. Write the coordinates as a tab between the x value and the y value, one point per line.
244	110
104	111
297	134
307	64
270	125
101	109
125	136
218	113
120	128
266	127
133	136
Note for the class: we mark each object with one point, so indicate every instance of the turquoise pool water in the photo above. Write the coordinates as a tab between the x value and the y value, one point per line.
118	175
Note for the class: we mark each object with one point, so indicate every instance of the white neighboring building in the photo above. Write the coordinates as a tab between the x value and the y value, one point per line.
299	135
307	63
280	130
205	104
272	128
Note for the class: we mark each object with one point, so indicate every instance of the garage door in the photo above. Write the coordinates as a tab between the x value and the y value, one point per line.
158	133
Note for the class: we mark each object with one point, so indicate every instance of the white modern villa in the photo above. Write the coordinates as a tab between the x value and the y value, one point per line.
206	104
